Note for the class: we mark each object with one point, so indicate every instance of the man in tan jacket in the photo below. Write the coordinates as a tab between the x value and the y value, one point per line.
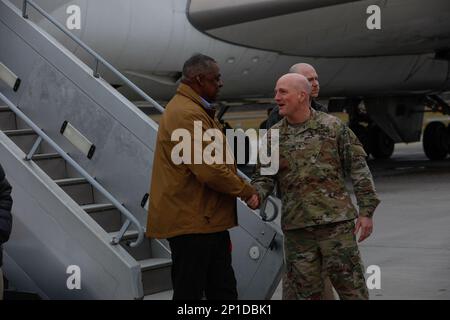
192	203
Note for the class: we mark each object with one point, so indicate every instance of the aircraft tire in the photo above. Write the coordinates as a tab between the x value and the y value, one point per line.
436	141
381	145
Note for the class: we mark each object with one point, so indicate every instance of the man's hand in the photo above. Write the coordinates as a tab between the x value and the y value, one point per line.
366	226
253	202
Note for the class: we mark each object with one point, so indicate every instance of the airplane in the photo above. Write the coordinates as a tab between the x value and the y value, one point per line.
378	67
383	77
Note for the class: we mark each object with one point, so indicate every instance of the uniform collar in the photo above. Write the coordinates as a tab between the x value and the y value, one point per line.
310	124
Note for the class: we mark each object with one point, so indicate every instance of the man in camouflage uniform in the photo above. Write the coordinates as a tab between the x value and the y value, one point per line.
316	152
310	73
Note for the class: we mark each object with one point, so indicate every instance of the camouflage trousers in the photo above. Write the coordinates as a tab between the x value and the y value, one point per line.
312	252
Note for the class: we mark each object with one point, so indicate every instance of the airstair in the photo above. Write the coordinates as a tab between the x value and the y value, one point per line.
79	157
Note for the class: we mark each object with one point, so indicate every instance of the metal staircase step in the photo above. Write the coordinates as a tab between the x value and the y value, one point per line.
156	272
46	156
163	295
79	189
156	275
148	248
23	138
129	235
141	252
146	107
154	263
105	214
52	164
98	207
7	119
70	181
19	132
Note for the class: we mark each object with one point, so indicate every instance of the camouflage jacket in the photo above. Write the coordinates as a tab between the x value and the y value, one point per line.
315	157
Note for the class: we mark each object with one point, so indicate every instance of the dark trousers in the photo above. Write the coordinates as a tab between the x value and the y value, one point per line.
201	266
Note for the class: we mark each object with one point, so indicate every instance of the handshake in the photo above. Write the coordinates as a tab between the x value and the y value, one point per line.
253	202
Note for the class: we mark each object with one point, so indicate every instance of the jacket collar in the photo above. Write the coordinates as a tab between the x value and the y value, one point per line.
188	92
310	124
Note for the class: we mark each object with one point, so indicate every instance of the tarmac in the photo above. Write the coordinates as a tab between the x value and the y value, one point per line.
411	239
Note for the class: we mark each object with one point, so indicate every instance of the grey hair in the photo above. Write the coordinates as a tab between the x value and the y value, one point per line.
196	65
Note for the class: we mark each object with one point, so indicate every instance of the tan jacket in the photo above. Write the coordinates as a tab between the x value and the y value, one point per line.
190	198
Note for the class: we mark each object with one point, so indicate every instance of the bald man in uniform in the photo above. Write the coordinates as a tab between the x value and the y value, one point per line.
317	151
310	73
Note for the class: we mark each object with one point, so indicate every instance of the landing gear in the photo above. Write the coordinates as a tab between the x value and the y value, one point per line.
363	136
380	144
436	141
374	140
384	121
358	115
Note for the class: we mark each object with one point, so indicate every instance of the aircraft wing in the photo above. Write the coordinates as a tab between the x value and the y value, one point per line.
326	28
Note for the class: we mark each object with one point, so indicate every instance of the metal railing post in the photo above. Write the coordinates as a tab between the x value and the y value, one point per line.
34	148
96	74
116	240
263	207
24	9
